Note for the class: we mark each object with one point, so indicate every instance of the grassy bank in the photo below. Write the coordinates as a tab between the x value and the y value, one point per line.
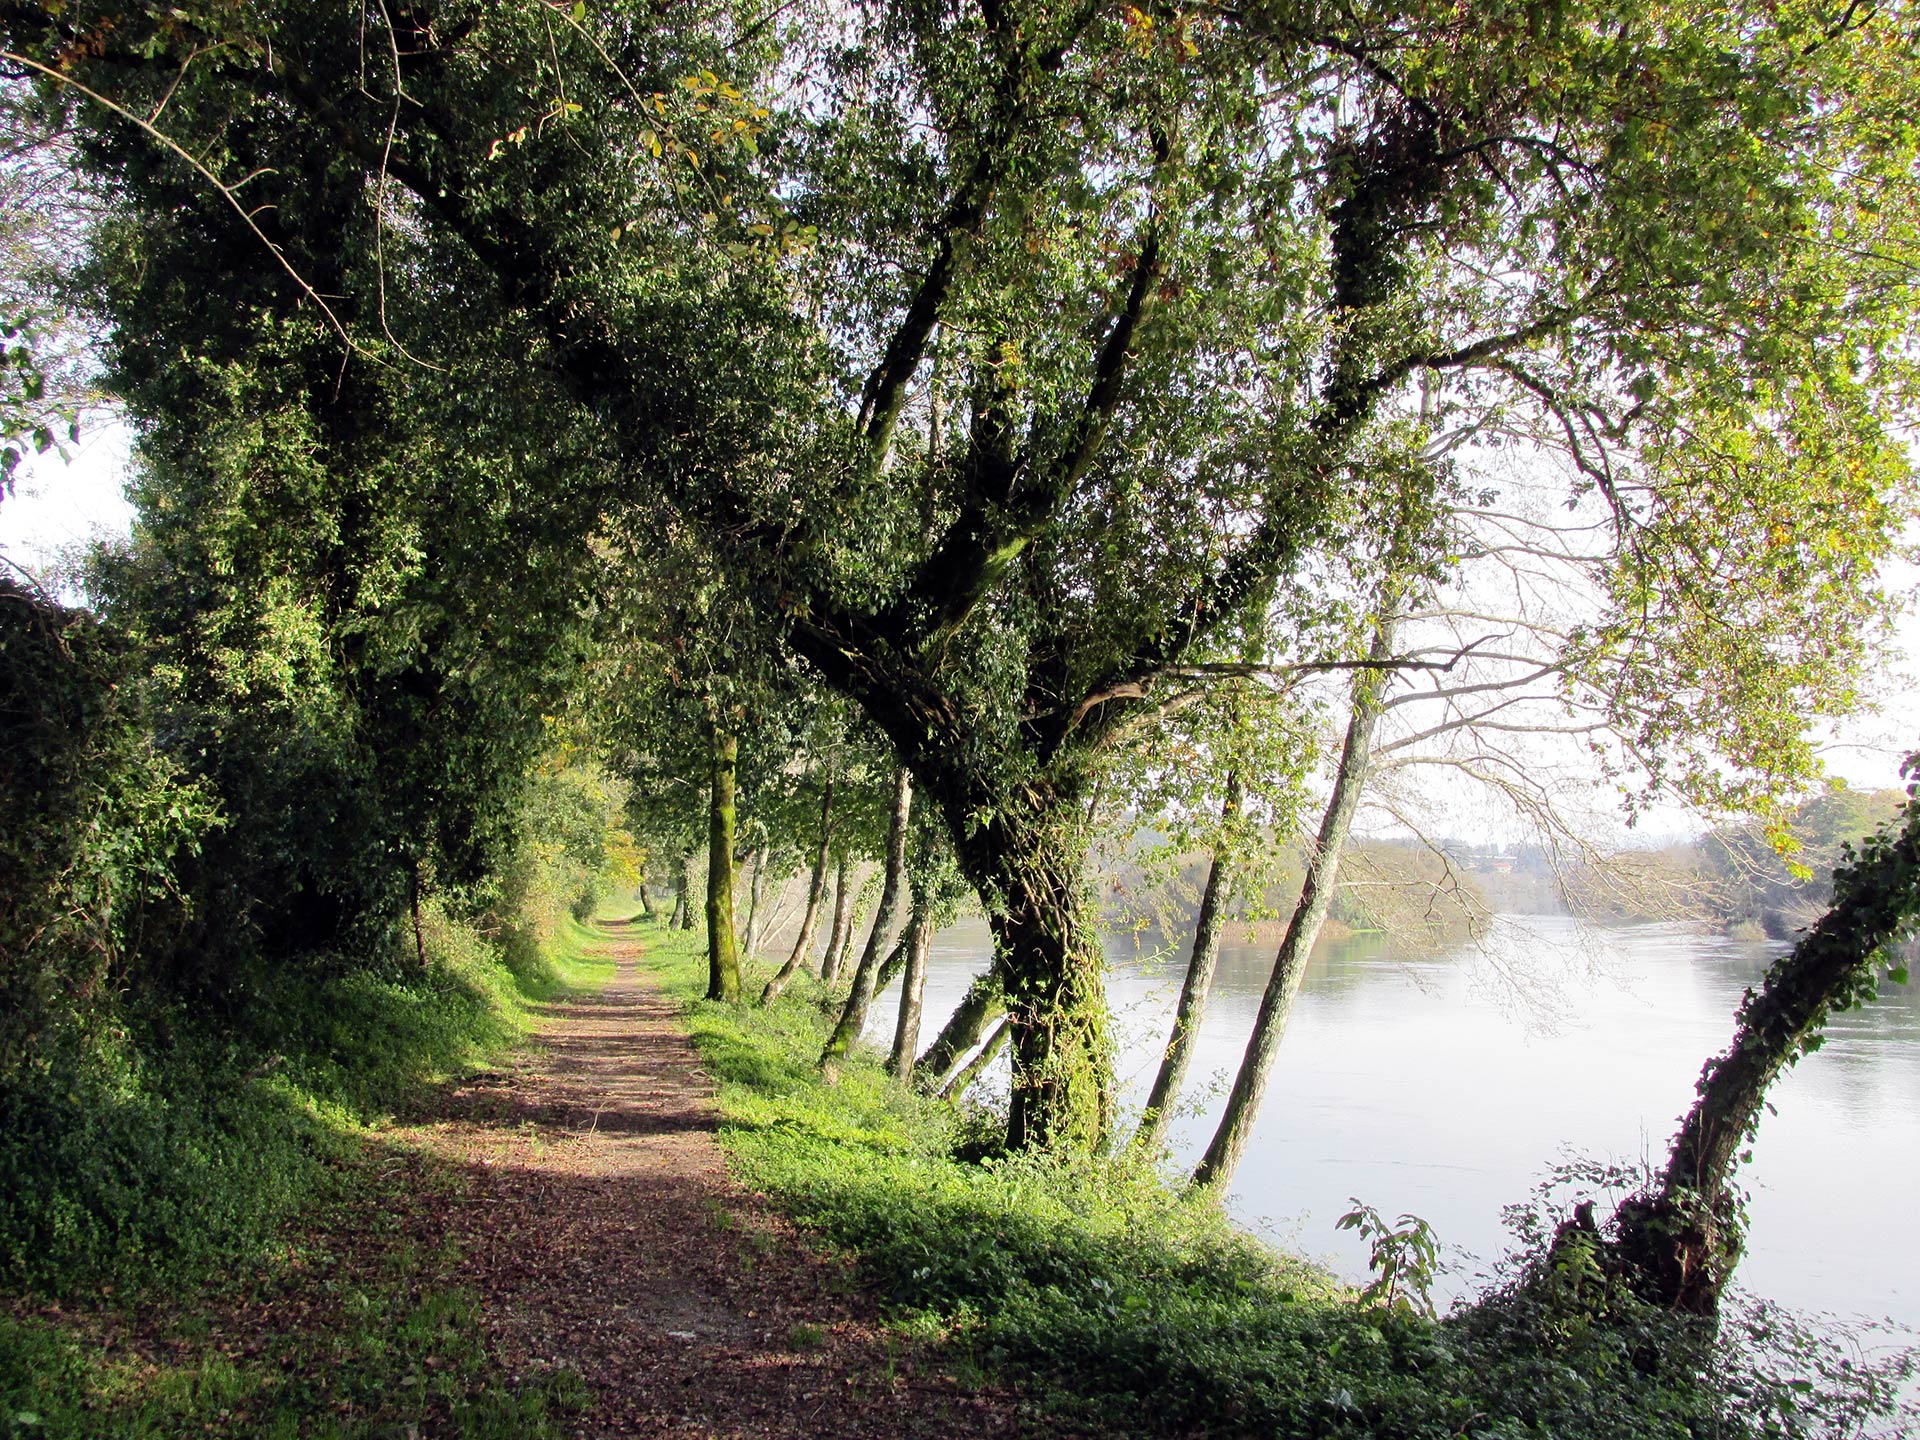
1127	1305
215	1235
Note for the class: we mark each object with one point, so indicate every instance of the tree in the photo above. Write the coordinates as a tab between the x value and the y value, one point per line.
1194	266
853	1015
1679	1240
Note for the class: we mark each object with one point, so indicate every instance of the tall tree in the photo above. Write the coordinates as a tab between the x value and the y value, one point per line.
1193	265
853	1015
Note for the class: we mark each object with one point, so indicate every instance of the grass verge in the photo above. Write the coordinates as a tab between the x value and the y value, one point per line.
221	1239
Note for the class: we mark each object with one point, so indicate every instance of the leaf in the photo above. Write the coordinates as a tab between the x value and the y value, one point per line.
579	11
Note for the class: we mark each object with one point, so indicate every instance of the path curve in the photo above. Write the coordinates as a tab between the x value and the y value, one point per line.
606	1234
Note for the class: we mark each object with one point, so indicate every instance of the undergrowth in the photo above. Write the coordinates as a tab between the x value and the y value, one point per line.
1132	1306
166	1147
232	1200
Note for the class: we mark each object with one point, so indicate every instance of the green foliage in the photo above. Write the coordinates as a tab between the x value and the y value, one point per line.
403	1351
1128	1304
166	1142
99	819
1403	1257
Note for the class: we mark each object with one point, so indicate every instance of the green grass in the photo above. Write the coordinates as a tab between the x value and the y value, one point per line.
233	1201
353	1331
1129	1306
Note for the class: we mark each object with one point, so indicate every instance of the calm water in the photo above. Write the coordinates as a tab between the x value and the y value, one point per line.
1448	1086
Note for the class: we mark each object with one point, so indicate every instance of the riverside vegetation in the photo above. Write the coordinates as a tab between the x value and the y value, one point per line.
1132	1305
903	443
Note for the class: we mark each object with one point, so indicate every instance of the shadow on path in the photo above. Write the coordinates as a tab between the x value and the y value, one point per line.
600	1229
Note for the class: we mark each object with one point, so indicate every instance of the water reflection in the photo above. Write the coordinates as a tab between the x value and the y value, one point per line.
1446	1086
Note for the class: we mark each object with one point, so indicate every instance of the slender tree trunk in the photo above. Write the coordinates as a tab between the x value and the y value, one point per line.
1681	1242
413	904
682	883
723	956
1194	992
962	1082
895	962
984	1002
913	988
816	891
682	893
646	902
853	1016
842	924
756	894
1309	913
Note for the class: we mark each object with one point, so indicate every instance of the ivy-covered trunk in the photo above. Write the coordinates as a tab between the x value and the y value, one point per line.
1028	864
723	955
1679	1242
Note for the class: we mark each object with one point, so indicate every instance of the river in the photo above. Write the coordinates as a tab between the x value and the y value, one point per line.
1448	1086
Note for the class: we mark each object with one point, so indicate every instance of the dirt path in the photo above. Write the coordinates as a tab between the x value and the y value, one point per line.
600	1229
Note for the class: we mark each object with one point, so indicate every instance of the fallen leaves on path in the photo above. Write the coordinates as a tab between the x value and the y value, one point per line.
601	1231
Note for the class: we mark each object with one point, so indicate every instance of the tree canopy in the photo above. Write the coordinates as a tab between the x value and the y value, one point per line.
1019	361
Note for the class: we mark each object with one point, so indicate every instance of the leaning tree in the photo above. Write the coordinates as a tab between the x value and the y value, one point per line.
1184	270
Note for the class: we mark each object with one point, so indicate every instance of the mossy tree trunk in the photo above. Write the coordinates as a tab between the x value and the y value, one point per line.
1679	1243
723	955
853	1015
990	1048
984	1002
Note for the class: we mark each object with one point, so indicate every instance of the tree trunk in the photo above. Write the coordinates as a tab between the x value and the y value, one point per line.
853	1016
1681	1242
646	902
913	987
1194	992
683	893
1030	859
1309	913
984	1002
816	891
682	885
895	962
723	956
413	904
996	1041
756	894
842	925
